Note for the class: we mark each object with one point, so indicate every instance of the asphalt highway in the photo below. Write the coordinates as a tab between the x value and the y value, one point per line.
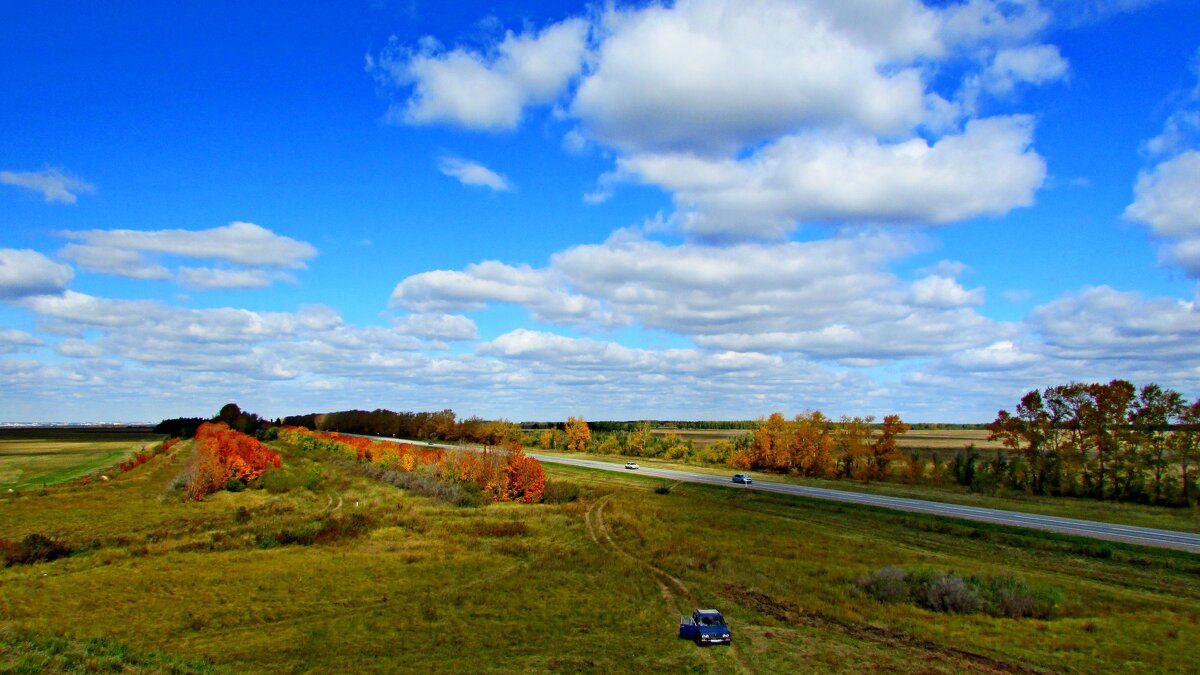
1144	536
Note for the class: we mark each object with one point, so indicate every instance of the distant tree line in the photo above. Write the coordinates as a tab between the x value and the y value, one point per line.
442	425
610	426
230	414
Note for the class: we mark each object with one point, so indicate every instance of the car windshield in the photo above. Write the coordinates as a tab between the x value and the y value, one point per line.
710	620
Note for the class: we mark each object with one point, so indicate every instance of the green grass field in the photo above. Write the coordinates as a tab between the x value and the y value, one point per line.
36	457
398	582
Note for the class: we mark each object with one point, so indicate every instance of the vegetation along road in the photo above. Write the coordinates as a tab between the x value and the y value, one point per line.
1144	536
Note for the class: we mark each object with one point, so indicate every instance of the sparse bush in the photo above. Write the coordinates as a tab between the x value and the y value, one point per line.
33	548
425	484
889	584
948	593
1005	596
1010	597
319	532
235	485
241	515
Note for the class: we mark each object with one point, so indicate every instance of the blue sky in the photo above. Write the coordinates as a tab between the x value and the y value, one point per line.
691	210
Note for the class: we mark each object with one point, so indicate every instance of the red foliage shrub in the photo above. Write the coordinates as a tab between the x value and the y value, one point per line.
223	454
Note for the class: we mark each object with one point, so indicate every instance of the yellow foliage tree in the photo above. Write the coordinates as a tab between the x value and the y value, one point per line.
578	434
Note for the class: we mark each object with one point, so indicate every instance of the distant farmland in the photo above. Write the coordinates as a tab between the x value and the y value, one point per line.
917	439
47	456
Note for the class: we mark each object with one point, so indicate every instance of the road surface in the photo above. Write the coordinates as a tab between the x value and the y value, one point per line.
1144	536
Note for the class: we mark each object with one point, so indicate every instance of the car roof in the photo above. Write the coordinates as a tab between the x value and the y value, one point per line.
707	611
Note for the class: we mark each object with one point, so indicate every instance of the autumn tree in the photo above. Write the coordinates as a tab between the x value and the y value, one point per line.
813	445
638	439
852	437
772	445
884	449
1105	421
1153	413
578	434
1185	450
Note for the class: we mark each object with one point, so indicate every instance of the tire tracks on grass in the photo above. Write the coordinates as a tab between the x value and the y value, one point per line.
600	534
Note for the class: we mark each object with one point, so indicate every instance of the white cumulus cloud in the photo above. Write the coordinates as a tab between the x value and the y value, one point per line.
989	169
713	75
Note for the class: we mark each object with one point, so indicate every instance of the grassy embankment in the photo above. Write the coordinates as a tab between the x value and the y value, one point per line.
380	580
36	457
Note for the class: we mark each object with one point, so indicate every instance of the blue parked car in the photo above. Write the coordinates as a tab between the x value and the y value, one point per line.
705	627
743	478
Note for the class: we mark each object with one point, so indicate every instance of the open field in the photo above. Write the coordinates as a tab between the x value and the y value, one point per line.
376	579
940	441
35	457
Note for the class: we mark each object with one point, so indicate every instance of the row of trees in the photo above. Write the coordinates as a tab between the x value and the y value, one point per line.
810	444
1105	441
813	445
507	475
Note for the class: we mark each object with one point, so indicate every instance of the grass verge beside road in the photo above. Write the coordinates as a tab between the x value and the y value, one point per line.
1141	515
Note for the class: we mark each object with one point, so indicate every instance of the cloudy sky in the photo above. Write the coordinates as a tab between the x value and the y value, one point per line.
703	209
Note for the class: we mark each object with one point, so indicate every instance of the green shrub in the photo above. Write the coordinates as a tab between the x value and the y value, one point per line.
314	478
235	485
275	481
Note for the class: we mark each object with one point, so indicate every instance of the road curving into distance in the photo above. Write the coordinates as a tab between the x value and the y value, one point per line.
1144	536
